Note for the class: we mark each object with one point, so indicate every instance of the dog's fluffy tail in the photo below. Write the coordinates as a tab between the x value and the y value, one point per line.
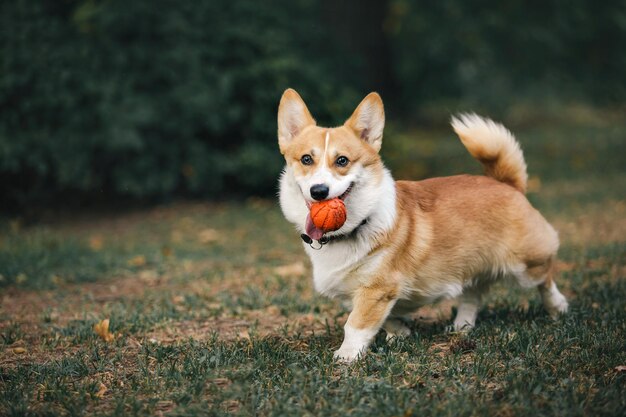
495	147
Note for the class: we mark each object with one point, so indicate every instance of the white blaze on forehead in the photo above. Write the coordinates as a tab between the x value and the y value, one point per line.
326	140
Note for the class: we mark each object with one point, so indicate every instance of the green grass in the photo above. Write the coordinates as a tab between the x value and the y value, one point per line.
213	310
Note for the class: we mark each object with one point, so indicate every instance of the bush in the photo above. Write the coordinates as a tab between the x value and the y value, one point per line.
492	54
156	98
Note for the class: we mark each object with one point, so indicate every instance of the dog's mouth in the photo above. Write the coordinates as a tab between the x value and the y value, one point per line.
311	230
345	194
341	197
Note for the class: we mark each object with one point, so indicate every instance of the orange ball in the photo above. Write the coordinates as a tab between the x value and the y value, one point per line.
329	215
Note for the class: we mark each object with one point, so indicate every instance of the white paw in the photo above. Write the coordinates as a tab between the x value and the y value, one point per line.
461	327
355	343
557	305
348	354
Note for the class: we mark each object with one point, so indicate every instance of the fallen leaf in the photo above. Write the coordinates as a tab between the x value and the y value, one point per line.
244	335
291	270
620	368
96	242
102	329
208	236
138	260
102	389
19	350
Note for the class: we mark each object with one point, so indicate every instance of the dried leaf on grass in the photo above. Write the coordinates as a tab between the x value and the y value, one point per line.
166	251
138	260
620	368
19	350
96	243
102	389
102	329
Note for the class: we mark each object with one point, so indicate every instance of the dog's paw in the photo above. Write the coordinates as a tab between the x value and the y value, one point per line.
348	354
459	328
557	305
554	302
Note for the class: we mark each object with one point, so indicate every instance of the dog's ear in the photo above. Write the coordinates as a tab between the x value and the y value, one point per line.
368	120
293	116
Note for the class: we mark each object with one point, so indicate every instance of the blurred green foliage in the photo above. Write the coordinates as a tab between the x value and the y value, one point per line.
152	99
491	53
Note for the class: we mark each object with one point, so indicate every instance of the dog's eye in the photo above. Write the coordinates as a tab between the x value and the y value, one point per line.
342	161
306	160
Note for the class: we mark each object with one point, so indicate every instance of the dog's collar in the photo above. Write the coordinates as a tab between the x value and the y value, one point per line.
333	238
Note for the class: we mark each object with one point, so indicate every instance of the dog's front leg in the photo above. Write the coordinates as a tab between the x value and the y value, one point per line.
371	306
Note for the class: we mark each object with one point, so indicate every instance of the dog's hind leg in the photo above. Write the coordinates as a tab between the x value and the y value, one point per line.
541	275
553	301
469	303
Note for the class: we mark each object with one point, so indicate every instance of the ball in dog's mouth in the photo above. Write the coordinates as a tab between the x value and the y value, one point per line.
328	216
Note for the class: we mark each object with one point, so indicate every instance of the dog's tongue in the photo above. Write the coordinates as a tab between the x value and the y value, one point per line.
311	230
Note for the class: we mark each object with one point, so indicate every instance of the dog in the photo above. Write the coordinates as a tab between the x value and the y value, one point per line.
406	244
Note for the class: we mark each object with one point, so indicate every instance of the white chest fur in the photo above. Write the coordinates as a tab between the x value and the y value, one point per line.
340	266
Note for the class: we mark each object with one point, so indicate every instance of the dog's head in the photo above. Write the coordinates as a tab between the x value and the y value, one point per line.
326	163
330	162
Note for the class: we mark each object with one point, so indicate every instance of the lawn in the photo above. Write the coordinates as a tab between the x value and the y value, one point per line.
212	311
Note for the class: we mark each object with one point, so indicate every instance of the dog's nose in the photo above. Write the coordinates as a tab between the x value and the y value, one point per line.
319	191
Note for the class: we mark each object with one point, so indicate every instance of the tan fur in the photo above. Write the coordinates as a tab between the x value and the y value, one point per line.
343	143
495	147
450	235
462	225
371	304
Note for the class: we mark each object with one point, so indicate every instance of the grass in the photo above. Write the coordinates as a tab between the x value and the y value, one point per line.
213	311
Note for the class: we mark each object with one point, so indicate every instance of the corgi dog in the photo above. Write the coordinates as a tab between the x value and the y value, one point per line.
405	244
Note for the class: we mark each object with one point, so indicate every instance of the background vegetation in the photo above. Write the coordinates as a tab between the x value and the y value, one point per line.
156	99
210	304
